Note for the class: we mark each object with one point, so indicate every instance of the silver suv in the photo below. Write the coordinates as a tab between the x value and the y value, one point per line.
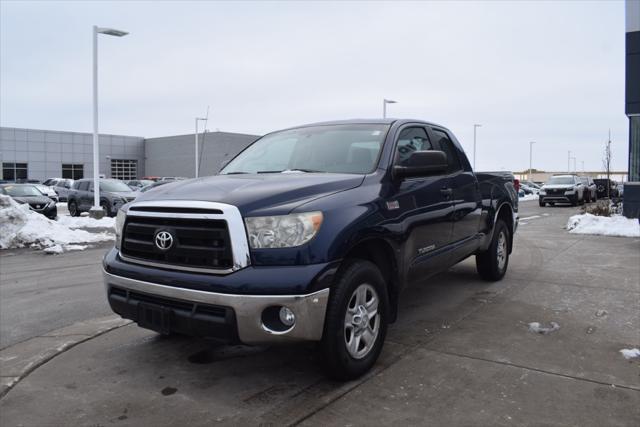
562	189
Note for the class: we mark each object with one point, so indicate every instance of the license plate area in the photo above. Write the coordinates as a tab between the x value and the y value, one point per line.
155	317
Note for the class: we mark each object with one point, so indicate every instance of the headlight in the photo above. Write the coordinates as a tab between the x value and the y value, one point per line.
283	231
122	215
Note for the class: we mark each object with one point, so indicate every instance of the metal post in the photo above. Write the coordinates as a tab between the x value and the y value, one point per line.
196	147
530	158
96	158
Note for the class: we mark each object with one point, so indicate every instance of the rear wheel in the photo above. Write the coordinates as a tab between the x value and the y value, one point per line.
356	321
542	204
492	264
105	207
73	208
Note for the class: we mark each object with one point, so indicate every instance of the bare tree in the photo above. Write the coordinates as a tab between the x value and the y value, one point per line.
606	163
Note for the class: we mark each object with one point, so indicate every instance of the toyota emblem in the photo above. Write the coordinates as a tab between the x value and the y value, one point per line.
164	240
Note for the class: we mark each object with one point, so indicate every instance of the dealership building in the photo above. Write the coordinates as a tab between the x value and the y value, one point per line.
41	154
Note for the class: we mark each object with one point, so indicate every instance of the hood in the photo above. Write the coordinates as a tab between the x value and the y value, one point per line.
557	187
33	200
129	195
257	194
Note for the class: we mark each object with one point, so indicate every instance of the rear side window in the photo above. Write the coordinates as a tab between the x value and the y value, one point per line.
82	185
410	140
447	146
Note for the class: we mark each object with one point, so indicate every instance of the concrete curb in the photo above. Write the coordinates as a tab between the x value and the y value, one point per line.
19	360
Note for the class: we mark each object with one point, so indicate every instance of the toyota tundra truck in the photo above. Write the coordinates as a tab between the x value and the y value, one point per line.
310	234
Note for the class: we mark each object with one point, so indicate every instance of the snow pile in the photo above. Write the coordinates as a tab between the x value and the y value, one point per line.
537	328
528	197
630	353
21	227
86	222
615	225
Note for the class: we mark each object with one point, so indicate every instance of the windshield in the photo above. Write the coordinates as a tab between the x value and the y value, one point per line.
351	148
114	186
21	190
561	180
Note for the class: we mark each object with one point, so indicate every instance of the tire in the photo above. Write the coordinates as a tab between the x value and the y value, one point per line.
587	198
574	202
542	204
105	207
73	208
492	264
352	298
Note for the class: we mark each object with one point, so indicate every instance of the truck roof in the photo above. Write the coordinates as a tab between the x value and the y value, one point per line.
389	121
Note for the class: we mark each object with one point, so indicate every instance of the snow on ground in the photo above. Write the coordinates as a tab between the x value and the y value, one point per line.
528	197
615	225
539	329
86	222
21	227
630	353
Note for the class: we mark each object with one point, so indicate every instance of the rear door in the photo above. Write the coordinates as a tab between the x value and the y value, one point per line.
425	210
465	190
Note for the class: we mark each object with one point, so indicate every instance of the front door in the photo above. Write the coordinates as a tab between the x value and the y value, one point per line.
424	208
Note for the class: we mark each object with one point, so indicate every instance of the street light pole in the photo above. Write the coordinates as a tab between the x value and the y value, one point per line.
569	162
530	158
96	211
197	156
475	126
384	106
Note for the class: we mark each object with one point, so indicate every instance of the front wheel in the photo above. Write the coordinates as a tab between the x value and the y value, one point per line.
73	209
356	321
492	263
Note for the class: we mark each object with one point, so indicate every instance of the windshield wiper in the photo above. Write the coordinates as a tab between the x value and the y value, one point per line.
235	173
293	170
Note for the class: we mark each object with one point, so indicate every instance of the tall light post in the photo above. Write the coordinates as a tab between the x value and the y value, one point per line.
530	158
384	106
96	211
475	126
569	162
201	119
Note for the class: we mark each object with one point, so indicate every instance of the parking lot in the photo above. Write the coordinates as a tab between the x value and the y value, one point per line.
461	352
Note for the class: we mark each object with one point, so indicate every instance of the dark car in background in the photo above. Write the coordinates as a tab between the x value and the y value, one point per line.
113	195
591	190
601	187
137	184
29	194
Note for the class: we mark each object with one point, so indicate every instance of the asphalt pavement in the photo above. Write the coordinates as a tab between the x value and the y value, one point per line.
461	352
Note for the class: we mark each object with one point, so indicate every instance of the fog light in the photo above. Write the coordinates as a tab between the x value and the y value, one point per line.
287	317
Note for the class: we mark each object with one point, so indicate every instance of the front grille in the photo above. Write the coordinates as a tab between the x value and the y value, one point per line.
197	243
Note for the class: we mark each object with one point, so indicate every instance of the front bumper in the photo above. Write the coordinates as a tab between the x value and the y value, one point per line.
219	315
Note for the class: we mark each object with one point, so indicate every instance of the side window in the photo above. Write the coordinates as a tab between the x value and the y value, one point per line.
82	185
410	140
447	146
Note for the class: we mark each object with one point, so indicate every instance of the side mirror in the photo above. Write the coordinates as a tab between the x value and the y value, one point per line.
422	163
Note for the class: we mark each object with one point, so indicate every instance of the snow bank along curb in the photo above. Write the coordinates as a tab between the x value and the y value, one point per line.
630	353
19	360
21	227
615	225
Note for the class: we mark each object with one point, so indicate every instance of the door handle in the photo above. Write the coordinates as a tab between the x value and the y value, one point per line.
446	192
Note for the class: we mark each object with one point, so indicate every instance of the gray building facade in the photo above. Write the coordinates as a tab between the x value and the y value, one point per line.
41	154
632	85
175	155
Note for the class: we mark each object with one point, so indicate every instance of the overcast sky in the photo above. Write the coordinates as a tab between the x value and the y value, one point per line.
551	72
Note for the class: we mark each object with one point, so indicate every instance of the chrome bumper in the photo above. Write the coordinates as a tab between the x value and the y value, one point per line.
309	309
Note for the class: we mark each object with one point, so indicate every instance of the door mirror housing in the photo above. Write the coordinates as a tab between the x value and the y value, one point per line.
422	163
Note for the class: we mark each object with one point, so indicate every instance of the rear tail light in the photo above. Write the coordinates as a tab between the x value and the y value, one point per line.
516	184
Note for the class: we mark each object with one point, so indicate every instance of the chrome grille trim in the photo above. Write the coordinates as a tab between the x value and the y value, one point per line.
230	214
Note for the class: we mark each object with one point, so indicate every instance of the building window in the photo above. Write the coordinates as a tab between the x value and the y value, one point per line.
72	171
14	171
124	169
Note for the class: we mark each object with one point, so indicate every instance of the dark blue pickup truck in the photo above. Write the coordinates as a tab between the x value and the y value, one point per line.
310	233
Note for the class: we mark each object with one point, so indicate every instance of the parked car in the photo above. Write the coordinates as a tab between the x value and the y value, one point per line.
310	234
47	191
63	188
601	186
154	185
29	194
137	184
113	194
171	178
51	182
532	184
562	189
528	190
591	190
